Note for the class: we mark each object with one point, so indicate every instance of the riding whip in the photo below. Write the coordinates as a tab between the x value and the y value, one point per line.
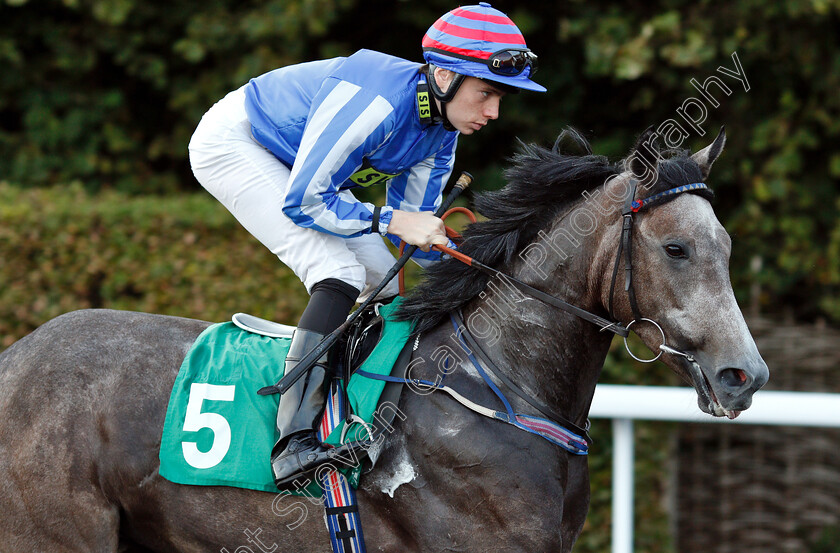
312	357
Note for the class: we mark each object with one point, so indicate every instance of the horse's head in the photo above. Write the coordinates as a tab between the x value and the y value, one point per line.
680	279
556	226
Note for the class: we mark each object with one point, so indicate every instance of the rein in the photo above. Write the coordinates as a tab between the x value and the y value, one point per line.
554	428
564	433
615	327
631	207
469	344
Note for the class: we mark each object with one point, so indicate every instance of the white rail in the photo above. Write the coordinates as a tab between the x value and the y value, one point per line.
624	404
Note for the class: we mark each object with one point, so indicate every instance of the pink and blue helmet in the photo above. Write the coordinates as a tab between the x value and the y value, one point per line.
482	42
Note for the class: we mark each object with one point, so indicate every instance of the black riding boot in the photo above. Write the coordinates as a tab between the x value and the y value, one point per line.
297	449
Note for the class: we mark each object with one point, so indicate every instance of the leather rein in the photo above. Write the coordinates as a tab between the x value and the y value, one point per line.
478	357
631	207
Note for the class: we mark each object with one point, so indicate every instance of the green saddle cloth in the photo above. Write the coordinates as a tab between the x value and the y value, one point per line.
219	432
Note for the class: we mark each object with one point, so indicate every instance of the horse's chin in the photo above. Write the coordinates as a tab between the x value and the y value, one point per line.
706	398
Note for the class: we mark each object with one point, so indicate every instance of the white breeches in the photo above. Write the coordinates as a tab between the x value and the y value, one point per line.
251	183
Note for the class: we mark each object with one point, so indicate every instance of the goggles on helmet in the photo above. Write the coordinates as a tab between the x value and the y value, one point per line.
510	63
507	63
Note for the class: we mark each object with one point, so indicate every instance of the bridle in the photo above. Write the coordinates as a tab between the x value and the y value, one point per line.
625	245
631	208
562	431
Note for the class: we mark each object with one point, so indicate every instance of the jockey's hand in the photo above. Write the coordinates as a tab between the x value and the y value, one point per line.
421	229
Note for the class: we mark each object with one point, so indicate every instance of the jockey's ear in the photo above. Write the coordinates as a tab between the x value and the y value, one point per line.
707	156
443	78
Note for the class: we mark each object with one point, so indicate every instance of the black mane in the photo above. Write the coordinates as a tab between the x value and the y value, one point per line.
541	184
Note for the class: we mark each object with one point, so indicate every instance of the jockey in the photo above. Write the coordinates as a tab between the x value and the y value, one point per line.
283	153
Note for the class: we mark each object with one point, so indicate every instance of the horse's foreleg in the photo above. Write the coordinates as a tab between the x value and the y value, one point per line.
576	504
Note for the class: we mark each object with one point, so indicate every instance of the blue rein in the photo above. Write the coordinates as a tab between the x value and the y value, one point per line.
575	442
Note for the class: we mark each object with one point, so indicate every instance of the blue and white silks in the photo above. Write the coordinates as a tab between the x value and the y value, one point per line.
326	120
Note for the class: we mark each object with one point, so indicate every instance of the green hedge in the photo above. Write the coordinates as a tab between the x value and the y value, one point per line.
107	92
62	249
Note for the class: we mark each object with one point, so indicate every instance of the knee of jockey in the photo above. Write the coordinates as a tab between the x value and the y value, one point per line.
329	304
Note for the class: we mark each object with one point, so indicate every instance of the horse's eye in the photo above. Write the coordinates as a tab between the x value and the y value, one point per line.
675	250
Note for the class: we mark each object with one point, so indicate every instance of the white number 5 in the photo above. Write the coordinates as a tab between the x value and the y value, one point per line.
195	420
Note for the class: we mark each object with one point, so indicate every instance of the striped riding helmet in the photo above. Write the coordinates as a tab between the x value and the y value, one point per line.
480	41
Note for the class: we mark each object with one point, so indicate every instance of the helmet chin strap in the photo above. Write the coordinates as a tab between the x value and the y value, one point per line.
444	97
445	120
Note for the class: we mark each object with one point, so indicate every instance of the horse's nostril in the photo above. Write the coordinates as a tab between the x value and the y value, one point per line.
732	378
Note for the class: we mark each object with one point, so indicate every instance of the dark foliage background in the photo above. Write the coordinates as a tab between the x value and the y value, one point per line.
107	93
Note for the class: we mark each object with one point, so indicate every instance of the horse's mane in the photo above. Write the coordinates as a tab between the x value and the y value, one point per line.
541	183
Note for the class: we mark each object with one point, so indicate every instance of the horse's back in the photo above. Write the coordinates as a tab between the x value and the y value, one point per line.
75	363
82	403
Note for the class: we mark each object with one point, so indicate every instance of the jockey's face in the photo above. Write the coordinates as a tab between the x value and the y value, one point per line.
475	103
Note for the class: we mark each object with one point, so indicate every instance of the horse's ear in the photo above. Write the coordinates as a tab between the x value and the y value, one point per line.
707	156
571	142
644	159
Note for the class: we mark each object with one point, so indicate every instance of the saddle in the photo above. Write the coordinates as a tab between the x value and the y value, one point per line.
219	431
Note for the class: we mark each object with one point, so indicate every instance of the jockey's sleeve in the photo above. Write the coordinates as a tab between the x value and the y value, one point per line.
344	123
421	189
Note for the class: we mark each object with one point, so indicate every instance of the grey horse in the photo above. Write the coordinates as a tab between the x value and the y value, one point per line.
83	398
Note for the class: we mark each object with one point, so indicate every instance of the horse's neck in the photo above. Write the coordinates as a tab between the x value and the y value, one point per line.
554	356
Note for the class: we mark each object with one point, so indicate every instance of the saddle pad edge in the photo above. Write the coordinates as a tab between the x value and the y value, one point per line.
263	327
